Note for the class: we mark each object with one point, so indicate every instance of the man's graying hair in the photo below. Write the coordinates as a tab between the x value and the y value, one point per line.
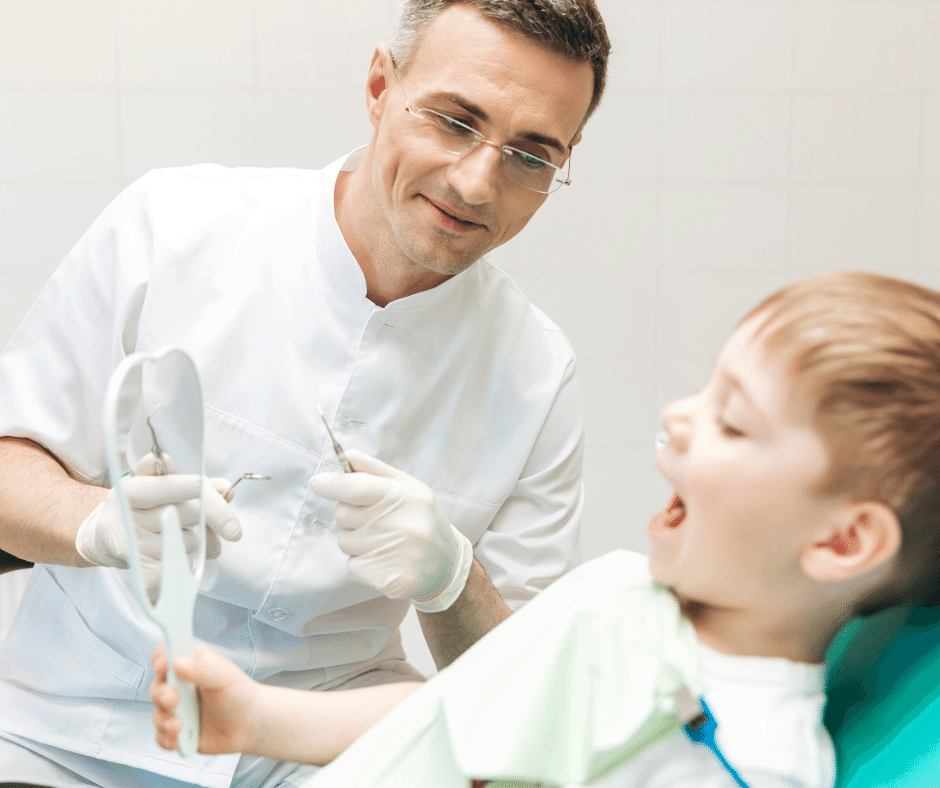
572	28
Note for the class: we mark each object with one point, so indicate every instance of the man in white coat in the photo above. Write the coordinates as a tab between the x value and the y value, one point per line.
362	287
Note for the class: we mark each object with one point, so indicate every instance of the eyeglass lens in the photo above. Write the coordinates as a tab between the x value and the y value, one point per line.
520	166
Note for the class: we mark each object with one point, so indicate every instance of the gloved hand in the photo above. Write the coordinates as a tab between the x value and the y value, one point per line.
101	539
396	534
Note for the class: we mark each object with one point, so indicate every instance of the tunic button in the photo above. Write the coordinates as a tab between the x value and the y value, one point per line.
314	522
350	422
278	613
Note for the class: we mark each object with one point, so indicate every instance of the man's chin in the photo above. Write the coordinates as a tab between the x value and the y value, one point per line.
433	262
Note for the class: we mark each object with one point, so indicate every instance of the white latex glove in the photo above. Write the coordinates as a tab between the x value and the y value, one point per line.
396	534
101	539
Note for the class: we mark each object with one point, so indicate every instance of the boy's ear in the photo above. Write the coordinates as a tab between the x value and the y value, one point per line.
866	535
377	83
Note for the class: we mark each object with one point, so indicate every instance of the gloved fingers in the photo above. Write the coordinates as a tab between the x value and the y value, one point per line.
145	492
352	542
220	517
150	545
358	489
149	519
223	487
213	544
352	518
148	465
366	463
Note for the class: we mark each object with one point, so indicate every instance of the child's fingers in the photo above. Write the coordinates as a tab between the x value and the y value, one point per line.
168	726
159	661
164	696
206	669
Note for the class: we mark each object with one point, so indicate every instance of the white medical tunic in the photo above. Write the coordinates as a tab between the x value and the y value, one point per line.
467	387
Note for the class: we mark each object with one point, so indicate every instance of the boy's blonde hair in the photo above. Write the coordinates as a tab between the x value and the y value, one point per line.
865	350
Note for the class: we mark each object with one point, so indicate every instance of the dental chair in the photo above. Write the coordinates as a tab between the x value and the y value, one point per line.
883	708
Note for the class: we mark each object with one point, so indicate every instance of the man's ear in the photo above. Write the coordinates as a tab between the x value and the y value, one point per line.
377	83
865	536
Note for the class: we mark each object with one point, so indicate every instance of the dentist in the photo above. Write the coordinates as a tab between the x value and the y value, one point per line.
362	287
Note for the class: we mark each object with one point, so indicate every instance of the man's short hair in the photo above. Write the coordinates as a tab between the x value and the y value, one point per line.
864	350
573	28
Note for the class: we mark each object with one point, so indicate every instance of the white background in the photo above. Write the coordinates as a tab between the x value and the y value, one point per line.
741	145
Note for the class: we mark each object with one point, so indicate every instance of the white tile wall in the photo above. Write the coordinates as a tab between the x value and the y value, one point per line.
703	223
866	47
58	135
709	37
50	43
172	129
834	137
846	225
718	137
742	144
931	137
186	43
928	241
300	46
933	47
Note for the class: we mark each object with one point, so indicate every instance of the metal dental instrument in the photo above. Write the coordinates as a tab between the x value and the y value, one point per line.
158	461
249	476
340	454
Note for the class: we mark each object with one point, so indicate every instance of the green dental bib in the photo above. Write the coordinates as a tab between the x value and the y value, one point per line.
574	684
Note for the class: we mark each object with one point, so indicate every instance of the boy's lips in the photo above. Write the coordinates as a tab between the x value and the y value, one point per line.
669	518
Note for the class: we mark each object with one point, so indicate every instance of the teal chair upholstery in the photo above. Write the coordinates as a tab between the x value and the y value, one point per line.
883	708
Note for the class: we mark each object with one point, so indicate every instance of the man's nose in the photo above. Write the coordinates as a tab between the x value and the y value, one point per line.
475	175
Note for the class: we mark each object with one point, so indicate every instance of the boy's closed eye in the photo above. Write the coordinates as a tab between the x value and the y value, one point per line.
729	430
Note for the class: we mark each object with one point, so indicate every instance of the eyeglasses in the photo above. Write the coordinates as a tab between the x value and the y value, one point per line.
454	136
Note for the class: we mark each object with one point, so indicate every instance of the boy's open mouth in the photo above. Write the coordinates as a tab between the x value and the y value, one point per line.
675	512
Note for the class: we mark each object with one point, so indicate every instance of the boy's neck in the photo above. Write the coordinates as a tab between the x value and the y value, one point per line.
752	633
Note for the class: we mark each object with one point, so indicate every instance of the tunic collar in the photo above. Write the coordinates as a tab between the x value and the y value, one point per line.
332	247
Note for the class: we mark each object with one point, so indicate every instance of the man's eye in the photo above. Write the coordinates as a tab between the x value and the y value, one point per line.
449	125
528	161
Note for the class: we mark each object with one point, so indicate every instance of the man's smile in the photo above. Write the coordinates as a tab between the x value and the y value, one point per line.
451	218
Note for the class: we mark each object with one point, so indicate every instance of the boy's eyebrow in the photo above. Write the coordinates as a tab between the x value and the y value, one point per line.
472	109
736	383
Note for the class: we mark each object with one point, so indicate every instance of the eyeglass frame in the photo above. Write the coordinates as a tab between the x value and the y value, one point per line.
505	150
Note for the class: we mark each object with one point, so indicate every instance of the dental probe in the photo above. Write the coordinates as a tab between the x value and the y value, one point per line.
158	461
249	476
340	454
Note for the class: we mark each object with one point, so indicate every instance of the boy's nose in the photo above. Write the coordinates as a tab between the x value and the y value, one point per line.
677	421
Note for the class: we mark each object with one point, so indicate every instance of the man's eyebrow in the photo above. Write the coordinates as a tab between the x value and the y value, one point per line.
472	109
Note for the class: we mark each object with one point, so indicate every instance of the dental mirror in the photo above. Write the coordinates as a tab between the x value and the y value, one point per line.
153	406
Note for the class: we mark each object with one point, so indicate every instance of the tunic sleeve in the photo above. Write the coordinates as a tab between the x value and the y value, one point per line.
54	372
535	537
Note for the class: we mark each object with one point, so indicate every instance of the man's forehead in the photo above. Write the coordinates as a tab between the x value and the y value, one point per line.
470	56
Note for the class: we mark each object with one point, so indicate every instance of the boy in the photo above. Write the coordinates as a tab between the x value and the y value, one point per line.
807	491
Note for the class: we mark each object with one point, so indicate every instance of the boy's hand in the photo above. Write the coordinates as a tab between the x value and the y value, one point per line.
226	700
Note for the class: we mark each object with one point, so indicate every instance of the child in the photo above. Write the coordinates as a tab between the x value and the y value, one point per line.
807	491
